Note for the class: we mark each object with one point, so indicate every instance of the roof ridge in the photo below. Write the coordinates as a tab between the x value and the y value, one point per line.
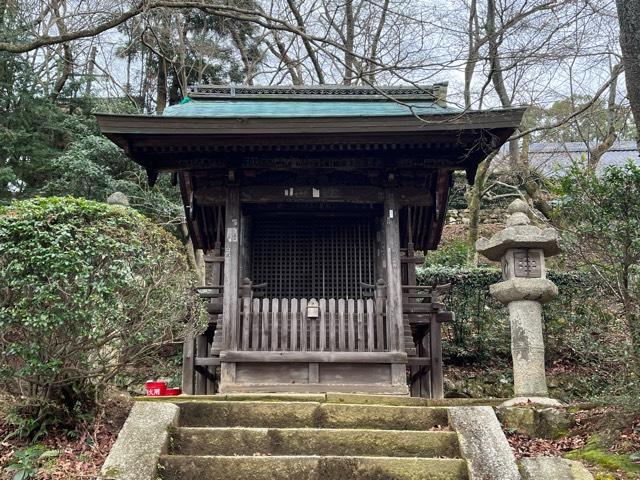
436	92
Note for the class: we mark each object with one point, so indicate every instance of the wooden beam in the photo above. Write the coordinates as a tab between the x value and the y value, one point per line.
188	357
419	361
231	269
394	282
313	357
327	194
207	361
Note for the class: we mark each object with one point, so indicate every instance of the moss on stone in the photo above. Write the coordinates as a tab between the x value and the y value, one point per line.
380	417
312	468
248	414
594	453
409	401
252	441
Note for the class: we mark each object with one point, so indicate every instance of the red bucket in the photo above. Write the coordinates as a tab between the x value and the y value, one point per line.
156	389
173	391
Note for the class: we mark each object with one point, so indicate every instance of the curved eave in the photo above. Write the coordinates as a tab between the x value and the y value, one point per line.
117	125
464	137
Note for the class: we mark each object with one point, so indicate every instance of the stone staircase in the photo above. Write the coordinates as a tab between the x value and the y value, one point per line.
309	440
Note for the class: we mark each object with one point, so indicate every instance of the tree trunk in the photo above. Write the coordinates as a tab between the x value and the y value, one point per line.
3	9
375	42
475	205
472	53
196	256
311	51
348	54
161	94
603	147
90	69
67	56
629	18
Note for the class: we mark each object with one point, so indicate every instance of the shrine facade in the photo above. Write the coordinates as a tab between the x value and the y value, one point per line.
314	205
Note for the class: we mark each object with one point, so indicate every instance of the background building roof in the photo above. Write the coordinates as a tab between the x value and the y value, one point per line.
556	158
552	159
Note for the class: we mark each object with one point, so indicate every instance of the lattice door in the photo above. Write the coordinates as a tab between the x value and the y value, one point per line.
322	257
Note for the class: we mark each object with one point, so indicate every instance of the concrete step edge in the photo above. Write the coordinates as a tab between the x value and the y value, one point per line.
314	429
312	467
315	457
328	404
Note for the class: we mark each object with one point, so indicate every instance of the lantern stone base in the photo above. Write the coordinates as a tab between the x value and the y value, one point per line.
527	349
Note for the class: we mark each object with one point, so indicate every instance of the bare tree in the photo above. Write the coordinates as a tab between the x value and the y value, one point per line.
629	18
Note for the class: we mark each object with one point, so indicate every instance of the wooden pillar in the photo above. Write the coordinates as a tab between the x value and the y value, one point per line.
381	260
200	372
394	281
188	366
231	269
435	339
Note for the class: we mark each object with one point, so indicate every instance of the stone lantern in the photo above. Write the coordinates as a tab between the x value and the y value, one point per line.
522	248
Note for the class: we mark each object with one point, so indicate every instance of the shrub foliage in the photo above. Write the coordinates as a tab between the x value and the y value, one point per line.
86	291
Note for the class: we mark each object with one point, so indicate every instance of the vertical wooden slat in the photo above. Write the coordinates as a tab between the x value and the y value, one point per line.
275	330
359	252
381	332
351	321
323	325
371	336
264	343
313	334
332	324
360	315
284	316
295	314
245	314
255	324
304	325
342	347
231	250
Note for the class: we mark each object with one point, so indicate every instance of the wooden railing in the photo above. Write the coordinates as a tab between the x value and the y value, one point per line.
424	312
339	325
342	325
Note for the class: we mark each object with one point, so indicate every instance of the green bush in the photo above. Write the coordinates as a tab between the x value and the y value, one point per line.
453	254
480	330
87	290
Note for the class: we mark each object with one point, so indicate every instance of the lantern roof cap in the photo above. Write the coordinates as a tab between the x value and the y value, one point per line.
519	234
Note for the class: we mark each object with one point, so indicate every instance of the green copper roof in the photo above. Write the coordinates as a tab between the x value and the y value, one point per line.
245	108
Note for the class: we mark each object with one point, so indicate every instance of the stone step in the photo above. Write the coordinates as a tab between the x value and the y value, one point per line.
310	415
352	398
178	467
307	441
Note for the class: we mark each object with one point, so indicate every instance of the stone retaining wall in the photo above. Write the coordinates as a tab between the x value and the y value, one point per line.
488	215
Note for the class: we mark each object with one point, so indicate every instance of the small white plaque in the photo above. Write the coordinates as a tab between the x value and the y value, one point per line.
232	235
315	192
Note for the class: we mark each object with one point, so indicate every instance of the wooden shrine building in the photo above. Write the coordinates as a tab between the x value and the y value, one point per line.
313	206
